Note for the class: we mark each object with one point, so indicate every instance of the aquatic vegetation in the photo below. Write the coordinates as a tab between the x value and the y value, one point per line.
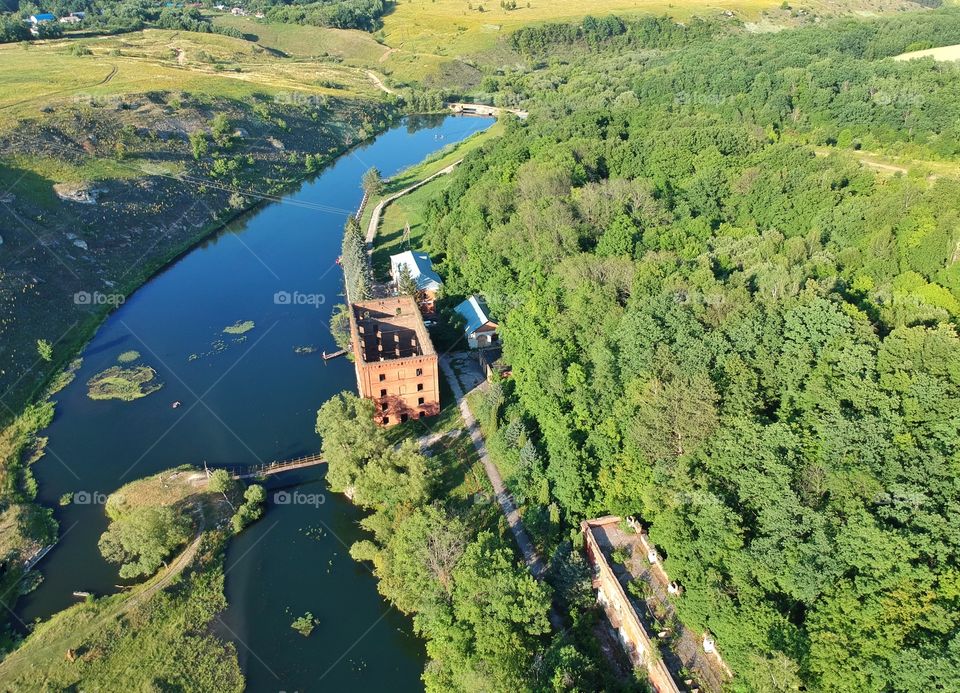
126	384
239	327
305	624
128	356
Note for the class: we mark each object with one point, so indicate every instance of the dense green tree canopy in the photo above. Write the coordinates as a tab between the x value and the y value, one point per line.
718	320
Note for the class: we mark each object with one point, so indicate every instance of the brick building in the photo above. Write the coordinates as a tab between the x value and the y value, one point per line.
395	360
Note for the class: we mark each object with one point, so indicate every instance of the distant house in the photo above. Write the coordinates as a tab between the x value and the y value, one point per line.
480	330
421	271
238	11
42	18
72	18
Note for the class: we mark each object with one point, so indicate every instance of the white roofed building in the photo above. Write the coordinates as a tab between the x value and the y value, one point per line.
428	282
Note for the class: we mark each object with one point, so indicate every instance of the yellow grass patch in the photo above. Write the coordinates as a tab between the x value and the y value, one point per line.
945	53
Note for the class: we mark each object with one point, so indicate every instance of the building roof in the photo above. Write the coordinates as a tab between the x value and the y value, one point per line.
387	329
43	17
474	312
421	269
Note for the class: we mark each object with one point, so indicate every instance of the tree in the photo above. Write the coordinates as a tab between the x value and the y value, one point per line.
221	129
351	438
503	607
45	349
340	325
255	494
406	284
198	143
221	482
372	182
143	539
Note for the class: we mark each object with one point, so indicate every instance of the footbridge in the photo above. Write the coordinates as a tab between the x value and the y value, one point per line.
253	471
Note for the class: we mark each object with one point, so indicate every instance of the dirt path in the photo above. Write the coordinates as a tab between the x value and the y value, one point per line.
378	210
376	80
531	557
10	665
105	80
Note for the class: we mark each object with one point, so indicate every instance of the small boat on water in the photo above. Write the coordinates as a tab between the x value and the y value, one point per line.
176	405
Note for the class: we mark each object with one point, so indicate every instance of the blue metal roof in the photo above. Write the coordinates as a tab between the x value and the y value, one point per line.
474	313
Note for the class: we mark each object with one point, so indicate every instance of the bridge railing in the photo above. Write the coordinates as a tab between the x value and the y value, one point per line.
275	467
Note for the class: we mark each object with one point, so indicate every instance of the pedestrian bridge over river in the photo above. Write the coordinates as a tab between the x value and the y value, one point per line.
253	471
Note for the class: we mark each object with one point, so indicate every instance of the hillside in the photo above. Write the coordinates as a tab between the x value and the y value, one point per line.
750	348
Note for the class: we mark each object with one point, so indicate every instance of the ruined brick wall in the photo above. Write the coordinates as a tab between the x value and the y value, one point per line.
401	389
642	651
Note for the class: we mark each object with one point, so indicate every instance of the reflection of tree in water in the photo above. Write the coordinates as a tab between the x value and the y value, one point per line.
415	123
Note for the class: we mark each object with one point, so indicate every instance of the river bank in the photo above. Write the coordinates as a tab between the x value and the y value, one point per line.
32	536
253	401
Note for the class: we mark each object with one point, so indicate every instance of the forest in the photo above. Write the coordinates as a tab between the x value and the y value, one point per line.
721	322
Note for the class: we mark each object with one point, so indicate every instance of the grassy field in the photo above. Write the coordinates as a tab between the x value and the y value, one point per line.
404	210
355	47
159	60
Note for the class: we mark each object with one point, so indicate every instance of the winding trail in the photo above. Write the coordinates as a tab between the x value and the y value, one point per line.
379	82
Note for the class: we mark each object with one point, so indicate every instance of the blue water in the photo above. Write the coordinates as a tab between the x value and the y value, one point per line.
251	400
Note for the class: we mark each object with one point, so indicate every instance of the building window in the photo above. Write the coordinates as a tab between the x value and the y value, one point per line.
419	400
403	417
419	372
421	414
383	393
383	376
386	420
383	407
419	387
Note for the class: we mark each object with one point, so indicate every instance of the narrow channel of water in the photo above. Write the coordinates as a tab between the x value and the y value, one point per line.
244	401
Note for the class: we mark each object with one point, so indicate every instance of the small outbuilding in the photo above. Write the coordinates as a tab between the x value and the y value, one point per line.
480	330
42	18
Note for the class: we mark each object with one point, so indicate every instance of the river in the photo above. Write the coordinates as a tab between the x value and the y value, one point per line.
244	401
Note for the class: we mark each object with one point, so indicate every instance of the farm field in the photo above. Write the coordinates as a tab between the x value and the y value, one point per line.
945	53
454	28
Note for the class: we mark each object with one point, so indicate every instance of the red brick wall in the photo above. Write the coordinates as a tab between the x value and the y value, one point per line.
400	381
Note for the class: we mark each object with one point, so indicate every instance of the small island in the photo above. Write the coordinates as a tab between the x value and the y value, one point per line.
125	384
